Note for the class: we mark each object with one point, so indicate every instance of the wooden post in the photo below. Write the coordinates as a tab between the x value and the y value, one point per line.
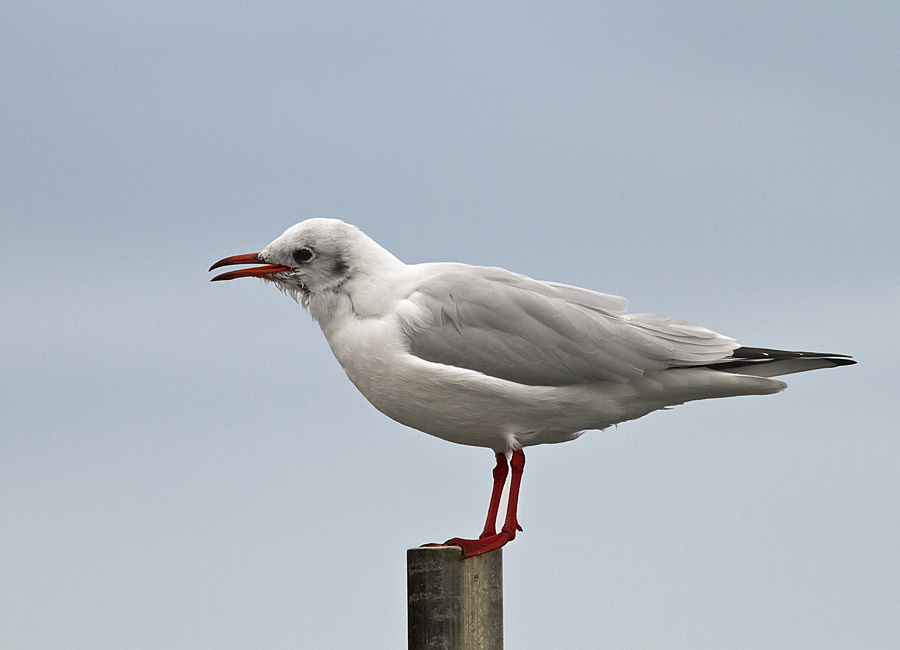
454	604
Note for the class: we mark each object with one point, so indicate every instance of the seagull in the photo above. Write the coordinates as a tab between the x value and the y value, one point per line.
486	357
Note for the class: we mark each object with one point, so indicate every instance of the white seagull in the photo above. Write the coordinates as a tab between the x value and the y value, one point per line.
486	357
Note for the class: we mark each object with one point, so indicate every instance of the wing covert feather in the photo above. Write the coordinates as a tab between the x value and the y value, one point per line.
509	326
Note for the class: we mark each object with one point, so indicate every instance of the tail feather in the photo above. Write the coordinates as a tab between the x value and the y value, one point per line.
763	362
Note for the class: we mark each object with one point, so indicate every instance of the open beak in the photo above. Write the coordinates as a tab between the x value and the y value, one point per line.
255	272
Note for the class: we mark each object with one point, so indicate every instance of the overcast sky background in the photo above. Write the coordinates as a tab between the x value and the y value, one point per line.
184	465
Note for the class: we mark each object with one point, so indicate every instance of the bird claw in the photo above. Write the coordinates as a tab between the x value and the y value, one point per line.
473	547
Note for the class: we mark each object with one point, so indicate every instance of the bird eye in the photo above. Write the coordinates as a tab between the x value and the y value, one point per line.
302	255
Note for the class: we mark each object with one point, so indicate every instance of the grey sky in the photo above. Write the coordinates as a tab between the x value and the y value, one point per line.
184	465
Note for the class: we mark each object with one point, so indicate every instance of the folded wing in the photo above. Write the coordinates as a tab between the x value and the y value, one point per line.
512	327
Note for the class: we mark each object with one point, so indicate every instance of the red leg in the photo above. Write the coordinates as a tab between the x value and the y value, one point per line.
472	547
500	472
511	525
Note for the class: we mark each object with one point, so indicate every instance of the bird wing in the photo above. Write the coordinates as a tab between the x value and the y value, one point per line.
537	333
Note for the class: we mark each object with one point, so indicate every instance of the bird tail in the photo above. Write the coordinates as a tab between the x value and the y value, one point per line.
763	362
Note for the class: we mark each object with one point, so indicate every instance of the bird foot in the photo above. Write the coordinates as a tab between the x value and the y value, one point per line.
473	547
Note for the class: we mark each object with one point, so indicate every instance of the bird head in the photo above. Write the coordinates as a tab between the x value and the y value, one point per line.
313	256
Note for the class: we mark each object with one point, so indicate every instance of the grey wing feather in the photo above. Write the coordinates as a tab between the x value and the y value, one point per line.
537	333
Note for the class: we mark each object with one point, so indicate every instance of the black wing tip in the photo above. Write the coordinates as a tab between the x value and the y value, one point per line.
756	355
767	353
746	357
841	360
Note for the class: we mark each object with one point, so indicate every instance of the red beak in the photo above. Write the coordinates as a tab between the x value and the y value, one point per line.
255	272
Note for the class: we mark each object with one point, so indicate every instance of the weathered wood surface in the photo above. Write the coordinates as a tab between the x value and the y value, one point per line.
454	604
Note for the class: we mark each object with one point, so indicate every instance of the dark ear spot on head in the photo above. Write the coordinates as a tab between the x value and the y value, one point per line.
340	266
